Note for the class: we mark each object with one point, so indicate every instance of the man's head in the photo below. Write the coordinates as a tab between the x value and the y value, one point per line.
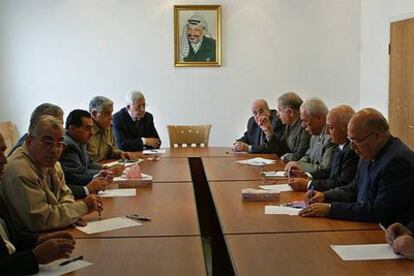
101	109
136	104
79	125
45	140
46	109
3	159
196	28
313	115
288	108
368	132
337	123
260	108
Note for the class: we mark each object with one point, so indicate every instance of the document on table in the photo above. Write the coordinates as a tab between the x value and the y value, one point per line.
277	187
55	269
274	174
358	252
118	163
107	225
117	192
281	210
258	161
153	151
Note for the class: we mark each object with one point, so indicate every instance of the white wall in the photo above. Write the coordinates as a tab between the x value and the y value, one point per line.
376	16
67	51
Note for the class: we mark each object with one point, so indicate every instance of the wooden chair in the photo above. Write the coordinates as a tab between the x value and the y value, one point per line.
9	133
189	136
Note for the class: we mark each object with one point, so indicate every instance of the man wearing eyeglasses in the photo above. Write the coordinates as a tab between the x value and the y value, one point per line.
133	127
34	188
254	139
383	188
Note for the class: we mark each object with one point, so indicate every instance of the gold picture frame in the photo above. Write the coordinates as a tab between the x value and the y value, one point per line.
203	24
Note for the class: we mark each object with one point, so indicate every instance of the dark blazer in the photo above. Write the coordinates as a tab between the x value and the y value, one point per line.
343	170
79	169
207	51
255	137
128	133
382	191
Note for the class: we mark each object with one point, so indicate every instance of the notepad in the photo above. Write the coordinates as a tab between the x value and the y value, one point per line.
153	151
117	193
258	161
281	210
358	252
107	225
277	187
274	174
54	268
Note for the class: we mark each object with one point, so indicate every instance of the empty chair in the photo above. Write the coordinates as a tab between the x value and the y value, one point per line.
189	136
9	133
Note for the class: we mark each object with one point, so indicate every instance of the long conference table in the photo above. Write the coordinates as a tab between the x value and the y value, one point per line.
200	225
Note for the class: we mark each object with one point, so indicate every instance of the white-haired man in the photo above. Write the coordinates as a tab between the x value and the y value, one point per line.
133	127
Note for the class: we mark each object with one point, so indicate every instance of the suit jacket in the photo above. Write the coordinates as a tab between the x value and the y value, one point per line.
128	133
207	51
382	191
293	143
343	170
79	169
255	137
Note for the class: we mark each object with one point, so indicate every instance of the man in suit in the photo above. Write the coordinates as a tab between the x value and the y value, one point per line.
345	160
133	127
23	254
254	138
383	188
294	142
79	169
318	158
401	239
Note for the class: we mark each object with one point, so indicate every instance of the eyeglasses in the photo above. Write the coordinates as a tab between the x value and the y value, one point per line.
50	143
357	141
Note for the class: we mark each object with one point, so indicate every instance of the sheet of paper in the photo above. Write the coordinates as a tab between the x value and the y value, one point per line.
277	187
117	192
281	210
358	252
117	163
55	269
258	161
153	151
105	225
274	174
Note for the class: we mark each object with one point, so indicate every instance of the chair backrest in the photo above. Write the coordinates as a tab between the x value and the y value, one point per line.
9	133
189	136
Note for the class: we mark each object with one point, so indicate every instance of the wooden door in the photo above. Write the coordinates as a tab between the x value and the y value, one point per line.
401	97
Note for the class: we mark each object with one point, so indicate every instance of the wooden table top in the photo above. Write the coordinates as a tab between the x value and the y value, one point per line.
227	169
167	169
308	254
197	152
172	209
142	256
238	216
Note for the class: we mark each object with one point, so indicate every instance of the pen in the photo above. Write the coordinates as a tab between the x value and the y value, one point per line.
382	227
289	172
311	193
71	260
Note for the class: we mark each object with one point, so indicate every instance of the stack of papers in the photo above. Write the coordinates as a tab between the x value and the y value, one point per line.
154	151
274	174
117	192
54	268
358	252
277	187
258	161
281	210
108	225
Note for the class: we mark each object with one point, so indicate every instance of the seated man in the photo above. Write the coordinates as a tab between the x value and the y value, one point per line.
34	188
383	187
22	255
254	138
401	239
294	142
318	158
134	128
345	161
79	169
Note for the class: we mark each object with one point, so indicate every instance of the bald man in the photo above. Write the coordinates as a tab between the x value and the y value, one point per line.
345	160
254	138
383	188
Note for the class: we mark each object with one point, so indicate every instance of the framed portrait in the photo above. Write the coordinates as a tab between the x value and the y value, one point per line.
197	35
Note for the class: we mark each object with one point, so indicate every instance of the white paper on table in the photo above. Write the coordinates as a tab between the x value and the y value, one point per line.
117	163
357	252
258	161
117	192
123	177
274	174
277	187
107	225
153	151
281	210
55	269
